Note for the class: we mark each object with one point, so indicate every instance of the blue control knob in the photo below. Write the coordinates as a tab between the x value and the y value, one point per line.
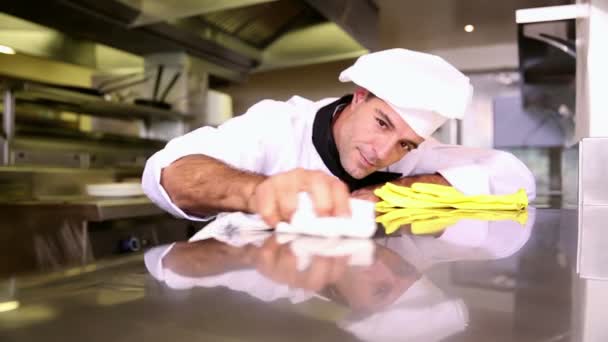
131	244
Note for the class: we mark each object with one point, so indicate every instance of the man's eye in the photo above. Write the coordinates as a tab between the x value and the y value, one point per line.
382	290
406	146
381	123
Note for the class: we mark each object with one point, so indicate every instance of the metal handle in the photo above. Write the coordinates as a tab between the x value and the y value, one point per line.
556	42
8	126
159	76
171	84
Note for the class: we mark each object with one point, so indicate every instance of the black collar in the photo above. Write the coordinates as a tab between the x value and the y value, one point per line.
323	140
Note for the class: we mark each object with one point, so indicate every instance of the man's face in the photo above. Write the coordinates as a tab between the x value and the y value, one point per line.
370	289
370	135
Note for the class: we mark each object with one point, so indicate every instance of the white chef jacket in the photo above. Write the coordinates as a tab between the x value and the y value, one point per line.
275	136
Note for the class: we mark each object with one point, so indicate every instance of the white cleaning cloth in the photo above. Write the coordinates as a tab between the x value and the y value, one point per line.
305	221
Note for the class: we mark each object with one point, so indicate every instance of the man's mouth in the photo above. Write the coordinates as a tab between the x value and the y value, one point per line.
366	161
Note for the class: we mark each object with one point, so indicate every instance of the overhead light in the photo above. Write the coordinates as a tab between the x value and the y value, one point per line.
9	306
7	50
469	28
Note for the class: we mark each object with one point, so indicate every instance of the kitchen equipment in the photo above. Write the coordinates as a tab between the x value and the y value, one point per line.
114	190
156	101
62	150
171	84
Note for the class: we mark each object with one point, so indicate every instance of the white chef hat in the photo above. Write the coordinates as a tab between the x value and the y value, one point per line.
423	88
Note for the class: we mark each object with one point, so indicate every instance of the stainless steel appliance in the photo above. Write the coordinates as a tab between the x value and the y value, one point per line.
54	142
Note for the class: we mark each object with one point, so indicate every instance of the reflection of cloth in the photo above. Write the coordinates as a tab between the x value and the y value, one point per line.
238	229
425	195
422	313
360	252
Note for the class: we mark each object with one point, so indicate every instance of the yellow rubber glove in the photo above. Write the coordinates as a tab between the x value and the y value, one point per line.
425	195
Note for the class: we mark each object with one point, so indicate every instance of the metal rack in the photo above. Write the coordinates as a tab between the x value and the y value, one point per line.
44	166
94	105
76	100
54	141
85	209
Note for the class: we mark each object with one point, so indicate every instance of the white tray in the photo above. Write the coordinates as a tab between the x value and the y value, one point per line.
114	190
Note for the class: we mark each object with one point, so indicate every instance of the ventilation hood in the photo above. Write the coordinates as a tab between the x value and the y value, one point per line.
238	35
547	63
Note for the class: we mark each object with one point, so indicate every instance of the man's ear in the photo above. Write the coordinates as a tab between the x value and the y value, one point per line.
359	95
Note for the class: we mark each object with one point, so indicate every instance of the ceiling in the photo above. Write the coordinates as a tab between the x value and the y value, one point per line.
260	25
245	36
237	35
439	24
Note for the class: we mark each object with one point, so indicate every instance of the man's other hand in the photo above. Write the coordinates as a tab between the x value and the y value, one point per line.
367	193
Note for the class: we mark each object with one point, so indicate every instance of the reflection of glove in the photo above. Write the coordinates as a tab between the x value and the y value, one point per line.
425	195
431	221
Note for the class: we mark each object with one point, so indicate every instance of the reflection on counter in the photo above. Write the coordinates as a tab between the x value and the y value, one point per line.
476	281
372	288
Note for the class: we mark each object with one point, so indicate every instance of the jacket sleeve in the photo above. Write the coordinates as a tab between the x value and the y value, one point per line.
471	170
244	142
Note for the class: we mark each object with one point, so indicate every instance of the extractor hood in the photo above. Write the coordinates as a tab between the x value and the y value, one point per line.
238	35
547	64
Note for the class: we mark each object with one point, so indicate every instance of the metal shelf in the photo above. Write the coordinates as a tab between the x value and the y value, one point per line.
16	92
85	209
91	104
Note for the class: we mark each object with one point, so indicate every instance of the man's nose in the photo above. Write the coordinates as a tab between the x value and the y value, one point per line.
383	149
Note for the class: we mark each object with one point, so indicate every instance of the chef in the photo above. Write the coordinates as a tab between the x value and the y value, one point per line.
334	148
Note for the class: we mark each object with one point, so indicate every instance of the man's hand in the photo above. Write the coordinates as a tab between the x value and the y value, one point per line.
275	199
367	193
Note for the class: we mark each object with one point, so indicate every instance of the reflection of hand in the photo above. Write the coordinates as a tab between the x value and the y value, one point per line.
278	262
276	198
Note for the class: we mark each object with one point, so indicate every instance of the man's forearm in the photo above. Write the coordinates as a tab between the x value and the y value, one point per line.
428	178
206	257
367	193
201	185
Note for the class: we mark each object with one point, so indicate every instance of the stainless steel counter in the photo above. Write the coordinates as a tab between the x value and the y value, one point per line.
85	208
481	282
